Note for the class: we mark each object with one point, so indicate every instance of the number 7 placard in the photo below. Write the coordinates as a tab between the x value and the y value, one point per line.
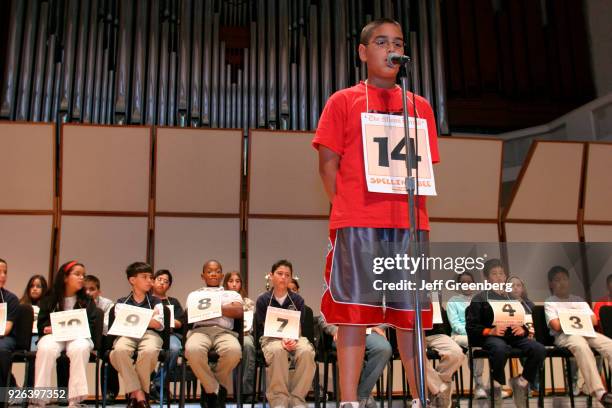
384	154
282	323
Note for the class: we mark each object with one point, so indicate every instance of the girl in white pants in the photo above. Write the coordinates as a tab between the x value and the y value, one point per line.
67	293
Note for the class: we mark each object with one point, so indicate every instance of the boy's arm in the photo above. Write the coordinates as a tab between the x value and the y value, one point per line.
329	162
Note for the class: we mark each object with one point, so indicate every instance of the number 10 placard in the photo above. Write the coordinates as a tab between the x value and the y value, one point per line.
70	325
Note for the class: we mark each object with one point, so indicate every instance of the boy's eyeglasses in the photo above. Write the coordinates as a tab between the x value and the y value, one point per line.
384	43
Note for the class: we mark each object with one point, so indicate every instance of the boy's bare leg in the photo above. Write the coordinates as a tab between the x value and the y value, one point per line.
406	344
351	352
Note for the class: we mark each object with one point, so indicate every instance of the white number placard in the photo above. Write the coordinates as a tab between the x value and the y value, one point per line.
529	323
282	323
70	325
203	305
248	320
384	154
576	322
507	313
435	305
171	308
3	315
368	331
36	310
130	321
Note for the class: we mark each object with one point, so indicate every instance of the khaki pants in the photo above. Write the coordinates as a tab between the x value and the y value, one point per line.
136	376
225	343
581	349
451	359
281	391
77	351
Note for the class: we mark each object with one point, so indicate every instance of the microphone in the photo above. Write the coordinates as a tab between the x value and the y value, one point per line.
397	59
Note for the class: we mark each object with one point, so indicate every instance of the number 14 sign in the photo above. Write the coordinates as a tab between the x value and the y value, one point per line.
384	154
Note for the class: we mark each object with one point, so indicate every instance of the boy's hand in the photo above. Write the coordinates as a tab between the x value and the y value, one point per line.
518	331
47	330
289	344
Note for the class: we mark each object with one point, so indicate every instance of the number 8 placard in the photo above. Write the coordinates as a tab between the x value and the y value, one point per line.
576	322
203	305
282	323
70	325
130	321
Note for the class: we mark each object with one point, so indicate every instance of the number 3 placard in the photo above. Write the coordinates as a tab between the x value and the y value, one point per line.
282	323
130	321
203	305
576	322
70	325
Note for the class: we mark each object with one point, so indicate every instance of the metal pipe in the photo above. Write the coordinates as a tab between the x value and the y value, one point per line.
81	61
294	97
196	63
214	99
326	58
438	66
261	63
162	101
39	71
67	75
25	84
253	77
271	25
283	62
152	85
341	66
12	66
184	62
122	71
425	51
206	62
313	40
136	112
222	86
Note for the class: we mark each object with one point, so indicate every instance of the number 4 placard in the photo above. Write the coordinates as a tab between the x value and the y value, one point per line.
282	323
70	325
576	322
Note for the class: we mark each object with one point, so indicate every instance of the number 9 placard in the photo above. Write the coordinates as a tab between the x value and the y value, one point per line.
203	305
70	325
282	323
130	321
576	322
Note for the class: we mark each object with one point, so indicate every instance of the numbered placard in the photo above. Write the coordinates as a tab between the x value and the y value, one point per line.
576	322
203	305
384	154
248	320
435	305
3	315
368	331
130	321
529	323
507	313
171	309
70	325
36	310
282	323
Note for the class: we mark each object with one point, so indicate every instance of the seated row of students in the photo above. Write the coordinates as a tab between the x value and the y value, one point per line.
69	291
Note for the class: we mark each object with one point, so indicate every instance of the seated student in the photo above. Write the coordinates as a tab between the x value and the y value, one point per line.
7	339
35	290
233	281
440	380
67	294
281	392
498	341
161	285
604	300
519	292
216	333
135	377
562	299
92	288
455	310
377	354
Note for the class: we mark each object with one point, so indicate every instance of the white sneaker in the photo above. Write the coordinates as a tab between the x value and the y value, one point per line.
367	402
480	393
519	392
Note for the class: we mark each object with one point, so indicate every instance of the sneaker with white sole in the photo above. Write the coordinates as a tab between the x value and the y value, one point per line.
519	392
480	393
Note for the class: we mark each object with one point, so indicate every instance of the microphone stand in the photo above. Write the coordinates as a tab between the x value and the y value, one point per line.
414	241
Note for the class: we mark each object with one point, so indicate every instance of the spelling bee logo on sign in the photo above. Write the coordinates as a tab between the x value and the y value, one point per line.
384	154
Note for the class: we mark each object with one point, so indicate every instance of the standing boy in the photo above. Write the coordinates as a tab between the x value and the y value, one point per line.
362	221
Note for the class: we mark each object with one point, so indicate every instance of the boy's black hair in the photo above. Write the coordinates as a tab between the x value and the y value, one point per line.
466	273
555	270
366	31
493	263
282	262
135	268
94	279
295	282
164	272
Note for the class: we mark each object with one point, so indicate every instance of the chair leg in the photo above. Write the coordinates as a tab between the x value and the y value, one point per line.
25	379
162	367
471	391
492	386
317	386
570	382
105	385
335	381
542	389
97	379
404	387
183	385
238	386
265	401
390	384
325	381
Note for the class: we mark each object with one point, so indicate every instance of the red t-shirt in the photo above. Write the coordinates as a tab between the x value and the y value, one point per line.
339	130
604	301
